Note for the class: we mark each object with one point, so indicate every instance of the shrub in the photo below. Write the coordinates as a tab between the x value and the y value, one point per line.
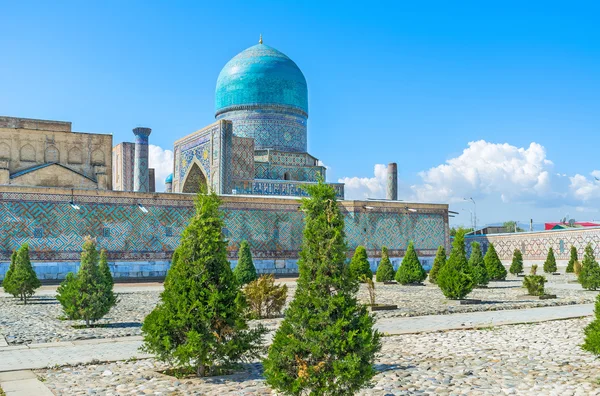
8	282
385	270
577	268
265	299
591	341
105	270
534	284
516	267
495	269
454	278
370	289
550	263
359	265
24	280
534	268
438	262
589	276
326	345
88	295
244	271
479	273
410	271
572	260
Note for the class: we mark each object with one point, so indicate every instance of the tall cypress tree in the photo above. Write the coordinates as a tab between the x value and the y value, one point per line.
410	271
8	282
105	269
199	323
550	263
244	271
477	266
438	263
572	259
589	277
495	269
385	270
359	265
24	280
326	344
516	267
455	279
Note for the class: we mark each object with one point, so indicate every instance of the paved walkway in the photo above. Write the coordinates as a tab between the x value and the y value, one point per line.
36	356
23	383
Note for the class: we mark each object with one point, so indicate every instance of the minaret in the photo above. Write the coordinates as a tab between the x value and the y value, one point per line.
140	167
392	181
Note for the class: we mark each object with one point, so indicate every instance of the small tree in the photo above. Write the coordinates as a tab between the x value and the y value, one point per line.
534	285
454	278
591	342
24	281
88	295
550	263
199	323
264	297
8	282
494	266
589	276
370	289
410	271
438	262
105	270
516	267
572	259
533	270
244	271
359	265
385	271
326	344
477	266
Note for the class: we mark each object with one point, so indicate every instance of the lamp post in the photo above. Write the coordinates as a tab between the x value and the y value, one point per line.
474	214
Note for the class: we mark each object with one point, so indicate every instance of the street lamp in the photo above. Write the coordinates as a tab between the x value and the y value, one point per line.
474	214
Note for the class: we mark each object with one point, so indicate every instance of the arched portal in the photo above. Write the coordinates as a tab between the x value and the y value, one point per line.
194	179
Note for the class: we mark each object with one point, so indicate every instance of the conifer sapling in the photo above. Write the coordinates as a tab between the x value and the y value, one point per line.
410	271
516	267
550	263
359	265
244	271
495	269
477	266
438	262
385	270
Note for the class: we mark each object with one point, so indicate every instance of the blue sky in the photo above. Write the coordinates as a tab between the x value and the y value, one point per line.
410	82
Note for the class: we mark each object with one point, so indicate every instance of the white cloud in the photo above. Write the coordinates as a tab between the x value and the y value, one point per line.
162	162
366	187
585	189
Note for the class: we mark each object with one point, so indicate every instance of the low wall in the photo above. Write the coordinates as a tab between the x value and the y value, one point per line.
141	230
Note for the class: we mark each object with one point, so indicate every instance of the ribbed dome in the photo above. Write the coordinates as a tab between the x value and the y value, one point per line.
261	75
169	179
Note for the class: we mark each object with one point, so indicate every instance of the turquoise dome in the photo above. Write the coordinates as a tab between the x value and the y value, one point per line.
261	75
169	179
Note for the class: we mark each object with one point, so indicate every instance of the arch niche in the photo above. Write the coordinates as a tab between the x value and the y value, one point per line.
194	178
51	155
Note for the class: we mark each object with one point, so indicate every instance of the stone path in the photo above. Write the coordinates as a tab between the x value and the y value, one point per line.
23	383
35	356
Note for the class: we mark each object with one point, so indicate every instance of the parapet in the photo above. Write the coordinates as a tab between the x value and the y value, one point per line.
30	123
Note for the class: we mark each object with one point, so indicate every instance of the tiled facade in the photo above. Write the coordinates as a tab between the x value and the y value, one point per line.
273	227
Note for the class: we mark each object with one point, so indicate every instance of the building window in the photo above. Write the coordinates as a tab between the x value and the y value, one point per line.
106	232
38	232
561	245
523	245
169	231
286	176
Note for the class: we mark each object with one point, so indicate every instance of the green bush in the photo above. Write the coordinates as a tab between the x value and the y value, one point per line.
326	345
8	282
550	263
410	271
24	280
591	341
534	284
244	271
572	260
265	299
199	323
105	270
455	279
359	265
438	262
589	276
385	270
495	269
88	295
577	268
477	266
516	267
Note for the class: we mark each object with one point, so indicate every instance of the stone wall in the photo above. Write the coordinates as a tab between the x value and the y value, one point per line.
141	230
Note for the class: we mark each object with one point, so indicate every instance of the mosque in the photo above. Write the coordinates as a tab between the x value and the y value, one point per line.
58	186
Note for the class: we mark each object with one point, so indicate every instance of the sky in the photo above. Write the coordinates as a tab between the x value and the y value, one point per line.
495	101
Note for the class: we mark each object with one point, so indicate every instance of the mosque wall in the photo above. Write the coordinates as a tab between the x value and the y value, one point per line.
535	245
140	239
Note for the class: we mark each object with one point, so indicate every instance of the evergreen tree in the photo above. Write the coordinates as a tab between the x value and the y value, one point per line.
572	259
244	271
495	269
589	277
359	265
455	279
24	280
516	267
479	273
8	282
199	323
385	271
550	263
86	296
105	270
591	342
438	263
326	344
410	271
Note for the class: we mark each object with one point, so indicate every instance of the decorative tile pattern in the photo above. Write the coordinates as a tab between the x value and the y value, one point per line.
140	171
266	170
243	158
278	188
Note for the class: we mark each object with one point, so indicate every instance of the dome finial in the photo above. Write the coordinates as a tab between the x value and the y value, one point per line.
260	39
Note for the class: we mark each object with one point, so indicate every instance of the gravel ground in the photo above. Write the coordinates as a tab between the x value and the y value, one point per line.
39	321
538	359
